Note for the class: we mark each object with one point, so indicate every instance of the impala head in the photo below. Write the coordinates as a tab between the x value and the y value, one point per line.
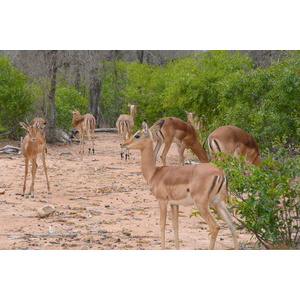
74	112
139	139
190	116
76	115
31	130
40	124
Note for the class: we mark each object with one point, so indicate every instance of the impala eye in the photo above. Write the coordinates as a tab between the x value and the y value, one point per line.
137	136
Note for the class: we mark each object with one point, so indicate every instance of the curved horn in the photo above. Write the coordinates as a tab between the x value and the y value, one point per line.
26	121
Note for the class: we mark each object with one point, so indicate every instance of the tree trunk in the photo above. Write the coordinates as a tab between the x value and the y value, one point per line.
95	91
77	79
140	55
51	129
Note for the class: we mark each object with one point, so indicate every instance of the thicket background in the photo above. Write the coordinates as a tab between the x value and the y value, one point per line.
255	90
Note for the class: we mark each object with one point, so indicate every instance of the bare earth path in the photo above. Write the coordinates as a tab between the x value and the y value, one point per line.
101	202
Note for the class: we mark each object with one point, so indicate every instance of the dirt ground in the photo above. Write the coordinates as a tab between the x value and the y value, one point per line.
101	202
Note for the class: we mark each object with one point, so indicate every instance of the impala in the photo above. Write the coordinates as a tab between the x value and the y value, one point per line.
202	185
84	124
170	130
33	144
125	124
194	121
234	141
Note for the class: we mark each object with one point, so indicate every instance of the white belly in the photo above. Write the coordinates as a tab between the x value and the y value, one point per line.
185	202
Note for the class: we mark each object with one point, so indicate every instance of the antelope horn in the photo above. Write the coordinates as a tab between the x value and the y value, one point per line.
26	121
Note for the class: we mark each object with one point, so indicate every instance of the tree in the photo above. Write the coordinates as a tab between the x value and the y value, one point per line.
51	129
15	98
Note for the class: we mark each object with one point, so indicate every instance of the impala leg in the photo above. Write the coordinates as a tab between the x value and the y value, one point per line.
46	171
175	209
163	217
157	147
165	152
181	156
89	139
25	178
93	141
210	221
221	208
126	155
81	144
33	172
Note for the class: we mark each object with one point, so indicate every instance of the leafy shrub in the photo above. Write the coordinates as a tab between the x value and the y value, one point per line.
267	201
15	98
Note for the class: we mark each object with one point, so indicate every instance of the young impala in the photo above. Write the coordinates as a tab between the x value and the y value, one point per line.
202	185
33	144
170	130
125	124
193	120
234	141
84	124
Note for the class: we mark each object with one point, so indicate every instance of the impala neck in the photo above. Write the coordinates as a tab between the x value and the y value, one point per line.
132	112
77	121
147	160
200	152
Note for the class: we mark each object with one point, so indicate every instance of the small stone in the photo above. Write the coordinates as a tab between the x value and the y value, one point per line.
127	233
46	211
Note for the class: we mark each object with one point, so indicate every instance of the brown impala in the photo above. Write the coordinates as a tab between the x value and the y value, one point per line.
170	130
33	144
125	124
202	185
84	124
234	141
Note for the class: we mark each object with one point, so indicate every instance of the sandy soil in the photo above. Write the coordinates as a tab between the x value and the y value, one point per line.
101	203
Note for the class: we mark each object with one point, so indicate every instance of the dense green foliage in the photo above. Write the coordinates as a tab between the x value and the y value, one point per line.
267	202
225	88
15	98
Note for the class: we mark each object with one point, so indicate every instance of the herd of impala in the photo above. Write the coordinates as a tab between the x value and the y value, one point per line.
203	185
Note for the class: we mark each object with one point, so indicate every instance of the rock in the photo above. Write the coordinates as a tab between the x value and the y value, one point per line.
46	211
2	191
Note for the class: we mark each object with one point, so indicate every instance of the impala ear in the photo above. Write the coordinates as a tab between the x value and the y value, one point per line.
145	126
36	121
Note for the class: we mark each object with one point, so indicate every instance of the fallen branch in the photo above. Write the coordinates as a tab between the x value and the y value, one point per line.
106	130
72	235
10	150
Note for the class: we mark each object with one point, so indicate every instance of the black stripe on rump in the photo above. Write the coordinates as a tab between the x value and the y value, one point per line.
224	178
213	184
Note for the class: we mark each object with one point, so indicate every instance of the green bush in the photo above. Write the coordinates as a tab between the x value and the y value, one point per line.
267	201
15	98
